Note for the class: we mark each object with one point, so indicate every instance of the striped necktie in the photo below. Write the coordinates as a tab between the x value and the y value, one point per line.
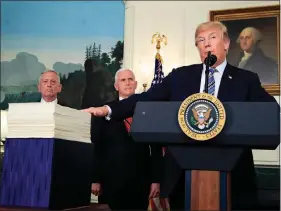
211	84
128	123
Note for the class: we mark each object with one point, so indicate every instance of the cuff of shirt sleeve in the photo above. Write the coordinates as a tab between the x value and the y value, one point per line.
108	116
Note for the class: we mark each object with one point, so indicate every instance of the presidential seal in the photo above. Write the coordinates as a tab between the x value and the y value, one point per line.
201	116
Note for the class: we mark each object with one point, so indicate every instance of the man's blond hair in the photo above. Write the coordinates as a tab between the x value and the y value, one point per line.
211	24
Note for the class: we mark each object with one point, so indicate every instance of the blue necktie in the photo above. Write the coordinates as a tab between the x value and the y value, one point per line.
211	82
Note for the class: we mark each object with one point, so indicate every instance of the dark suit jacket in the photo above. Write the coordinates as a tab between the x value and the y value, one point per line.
118	160
265	67
241	86
237	85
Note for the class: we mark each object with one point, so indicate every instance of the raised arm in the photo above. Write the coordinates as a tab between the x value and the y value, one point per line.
125	108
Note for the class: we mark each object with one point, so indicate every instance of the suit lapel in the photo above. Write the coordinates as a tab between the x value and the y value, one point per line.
123	121
227	85
195	85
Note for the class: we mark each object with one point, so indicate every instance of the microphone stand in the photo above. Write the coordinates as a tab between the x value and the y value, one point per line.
207	72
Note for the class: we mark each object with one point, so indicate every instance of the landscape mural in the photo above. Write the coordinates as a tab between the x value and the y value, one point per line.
81	40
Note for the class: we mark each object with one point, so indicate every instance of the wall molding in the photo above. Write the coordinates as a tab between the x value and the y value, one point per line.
129	35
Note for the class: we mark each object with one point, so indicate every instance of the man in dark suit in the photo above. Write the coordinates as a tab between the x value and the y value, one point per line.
125	174
230	84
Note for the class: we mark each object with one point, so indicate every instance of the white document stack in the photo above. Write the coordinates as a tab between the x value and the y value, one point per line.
48	120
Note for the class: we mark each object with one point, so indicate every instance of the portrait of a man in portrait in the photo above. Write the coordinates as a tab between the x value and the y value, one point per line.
254	47
255	41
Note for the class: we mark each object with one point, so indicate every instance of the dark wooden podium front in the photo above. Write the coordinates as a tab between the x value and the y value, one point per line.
93	207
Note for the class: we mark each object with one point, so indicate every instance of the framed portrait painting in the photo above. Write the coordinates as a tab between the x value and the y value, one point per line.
254	41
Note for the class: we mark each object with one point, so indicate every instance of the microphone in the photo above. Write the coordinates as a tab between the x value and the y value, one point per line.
209	61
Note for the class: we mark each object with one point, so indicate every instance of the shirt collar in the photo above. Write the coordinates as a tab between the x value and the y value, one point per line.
246	54
54	101
122	98
220	68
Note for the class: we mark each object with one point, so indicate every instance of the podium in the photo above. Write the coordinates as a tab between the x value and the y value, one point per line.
46	173
209	164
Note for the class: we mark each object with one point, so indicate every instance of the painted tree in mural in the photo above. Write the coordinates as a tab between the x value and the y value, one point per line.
117	57
117	52
100	68
111	61
105	59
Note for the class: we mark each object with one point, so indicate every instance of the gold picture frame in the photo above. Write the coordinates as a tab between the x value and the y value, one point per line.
267	20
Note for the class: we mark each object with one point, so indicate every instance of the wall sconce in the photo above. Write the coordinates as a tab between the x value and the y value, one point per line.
144	85
145	75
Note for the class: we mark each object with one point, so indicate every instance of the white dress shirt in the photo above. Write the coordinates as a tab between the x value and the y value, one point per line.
217	76
108	117
54	101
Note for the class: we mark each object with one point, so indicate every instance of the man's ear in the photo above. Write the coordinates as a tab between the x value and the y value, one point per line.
38	87
116	87
59	88
226	44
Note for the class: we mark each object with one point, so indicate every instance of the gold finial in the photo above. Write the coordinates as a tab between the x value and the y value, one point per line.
158	39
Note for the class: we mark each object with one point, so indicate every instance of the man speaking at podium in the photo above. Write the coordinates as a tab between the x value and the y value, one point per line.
226	82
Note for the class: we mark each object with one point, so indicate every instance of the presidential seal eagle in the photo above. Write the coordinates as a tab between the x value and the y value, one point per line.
202	115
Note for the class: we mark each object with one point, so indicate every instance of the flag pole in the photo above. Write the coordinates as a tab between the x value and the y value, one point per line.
158	39
158	204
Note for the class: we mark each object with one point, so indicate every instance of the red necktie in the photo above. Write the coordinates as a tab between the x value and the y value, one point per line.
128	123
164	150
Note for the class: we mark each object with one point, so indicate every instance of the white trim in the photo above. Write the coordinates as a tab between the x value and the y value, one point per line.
129	35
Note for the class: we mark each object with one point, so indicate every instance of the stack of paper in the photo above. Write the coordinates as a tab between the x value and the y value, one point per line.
4	126
48	120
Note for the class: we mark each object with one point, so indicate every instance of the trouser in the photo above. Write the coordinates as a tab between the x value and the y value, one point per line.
129	197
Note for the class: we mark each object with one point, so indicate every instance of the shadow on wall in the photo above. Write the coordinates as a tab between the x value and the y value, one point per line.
99	87
100	69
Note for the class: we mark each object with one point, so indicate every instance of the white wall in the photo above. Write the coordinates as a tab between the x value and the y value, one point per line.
177	20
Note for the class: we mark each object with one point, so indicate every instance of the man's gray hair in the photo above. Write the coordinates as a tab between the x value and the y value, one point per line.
49	71
256	34
121	70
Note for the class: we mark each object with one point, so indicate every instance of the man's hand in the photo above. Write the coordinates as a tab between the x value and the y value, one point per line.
96	189
154	190
97	111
